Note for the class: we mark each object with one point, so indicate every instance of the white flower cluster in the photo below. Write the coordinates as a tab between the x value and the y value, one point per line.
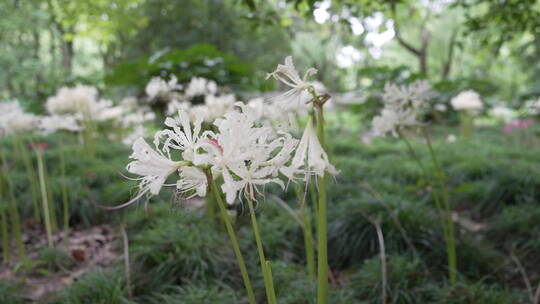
158	88
532	107
201	86
53	123
402	105
14	119
468	101
504	113
70	107
281	112
240	148
78	100
246	155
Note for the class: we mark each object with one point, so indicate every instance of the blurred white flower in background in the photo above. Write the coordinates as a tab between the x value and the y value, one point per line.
440	107
80	99
415	94
468	101
54	123
14	119
201	86
137	132
504	113
532	107
402	106
177	105
387	122
160	88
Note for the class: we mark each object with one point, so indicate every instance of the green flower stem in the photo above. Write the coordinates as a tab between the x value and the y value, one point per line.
466	122
427	178
15	221
308	242
65	197
13	210
269	274
322	222
50	200
313	195
268	282
211	208
234	240
44	198
5	235
444	213
413	154
30	175
451	238
305	216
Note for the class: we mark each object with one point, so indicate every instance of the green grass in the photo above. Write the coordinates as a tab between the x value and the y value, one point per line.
177	256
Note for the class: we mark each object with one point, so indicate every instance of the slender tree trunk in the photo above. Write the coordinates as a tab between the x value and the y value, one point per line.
447	66
67	50
38	78
421	53
67	56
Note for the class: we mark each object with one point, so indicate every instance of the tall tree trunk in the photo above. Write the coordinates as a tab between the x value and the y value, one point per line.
67	50
447	66
38	77
67	56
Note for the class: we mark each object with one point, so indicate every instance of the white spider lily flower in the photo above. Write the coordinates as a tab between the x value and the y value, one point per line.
288	145
53	123
244	153
392	120
201	86
248	178
160	88
440	107
402	105
504	113
153	166
217	106
174	106
192	179
14	120
82	100
412	95
468	101
310	157
182	137
258	106
287	74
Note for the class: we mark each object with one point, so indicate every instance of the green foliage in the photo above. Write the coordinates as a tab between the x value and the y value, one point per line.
89	180
512	227
55	259
194	294
174	246
10	293
201	60
406	280
96	287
